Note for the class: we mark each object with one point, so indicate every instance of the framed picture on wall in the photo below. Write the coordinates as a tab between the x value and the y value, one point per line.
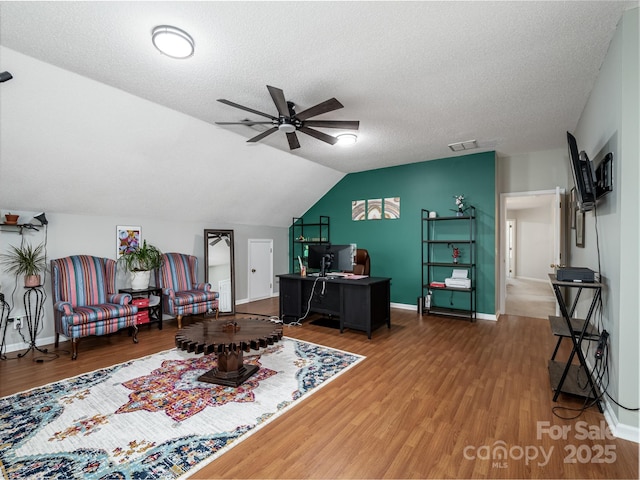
392	207
579	228
374	209
573	208
128	238
358	210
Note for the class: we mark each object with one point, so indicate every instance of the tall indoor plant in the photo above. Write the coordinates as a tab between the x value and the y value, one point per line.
26	260
140	262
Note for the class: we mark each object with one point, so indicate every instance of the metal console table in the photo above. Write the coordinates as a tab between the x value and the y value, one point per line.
564	376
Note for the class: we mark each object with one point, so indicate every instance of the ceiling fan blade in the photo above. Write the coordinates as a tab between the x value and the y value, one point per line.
241	107
324	107
247	122
319	135
293	140
346	124
277	95
263	134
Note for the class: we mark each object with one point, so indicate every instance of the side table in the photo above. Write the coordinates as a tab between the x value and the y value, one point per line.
33	306
564	376
155	311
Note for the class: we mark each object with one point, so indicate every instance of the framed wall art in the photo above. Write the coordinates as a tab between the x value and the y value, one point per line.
358	210
573	208
579	228
392	207
374	209
128	238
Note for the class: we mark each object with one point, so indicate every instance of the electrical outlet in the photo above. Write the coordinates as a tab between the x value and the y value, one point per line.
17	325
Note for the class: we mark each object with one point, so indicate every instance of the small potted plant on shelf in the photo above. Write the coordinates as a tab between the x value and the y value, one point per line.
140	262
460	205
26	260
11	219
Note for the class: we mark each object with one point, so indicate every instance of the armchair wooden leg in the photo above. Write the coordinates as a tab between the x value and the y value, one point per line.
217	312
179	318
135	334
74	348
57	341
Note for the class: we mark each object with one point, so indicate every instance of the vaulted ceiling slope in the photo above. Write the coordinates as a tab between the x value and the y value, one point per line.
417	75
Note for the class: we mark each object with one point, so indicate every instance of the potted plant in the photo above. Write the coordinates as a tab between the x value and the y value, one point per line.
26	260
140	261
11	219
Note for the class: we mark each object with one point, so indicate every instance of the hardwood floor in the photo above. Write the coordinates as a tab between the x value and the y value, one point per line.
433	399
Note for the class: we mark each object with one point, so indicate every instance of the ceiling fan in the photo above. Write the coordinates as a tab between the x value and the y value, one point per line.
288	121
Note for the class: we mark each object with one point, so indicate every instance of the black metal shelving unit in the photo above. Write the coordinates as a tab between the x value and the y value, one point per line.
439	235
305	234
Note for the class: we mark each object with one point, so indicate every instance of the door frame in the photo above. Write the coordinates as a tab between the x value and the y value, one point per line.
559	234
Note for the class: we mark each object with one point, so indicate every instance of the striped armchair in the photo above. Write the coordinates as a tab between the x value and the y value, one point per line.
85	301
181	292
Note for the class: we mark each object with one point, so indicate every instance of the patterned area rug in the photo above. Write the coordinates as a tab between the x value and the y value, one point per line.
150	418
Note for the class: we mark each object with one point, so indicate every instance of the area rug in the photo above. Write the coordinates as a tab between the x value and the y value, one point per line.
150	418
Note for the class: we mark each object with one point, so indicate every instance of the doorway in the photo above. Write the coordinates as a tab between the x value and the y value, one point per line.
532	239
260	269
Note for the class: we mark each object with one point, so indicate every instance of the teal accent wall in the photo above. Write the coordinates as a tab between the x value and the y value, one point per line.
395	245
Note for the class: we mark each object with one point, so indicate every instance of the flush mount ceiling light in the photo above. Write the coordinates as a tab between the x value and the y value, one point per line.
172	41
347	138
459	146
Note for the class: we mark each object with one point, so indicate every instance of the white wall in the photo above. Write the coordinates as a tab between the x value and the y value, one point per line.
610	122
534	242
533	171
95	235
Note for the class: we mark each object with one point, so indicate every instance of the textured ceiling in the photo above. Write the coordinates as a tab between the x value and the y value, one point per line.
417	75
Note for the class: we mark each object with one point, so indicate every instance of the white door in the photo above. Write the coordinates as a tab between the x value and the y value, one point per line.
260	269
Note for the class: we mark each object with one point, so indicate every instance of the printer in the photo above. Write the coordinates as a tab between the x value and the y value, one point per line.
576	274
458	279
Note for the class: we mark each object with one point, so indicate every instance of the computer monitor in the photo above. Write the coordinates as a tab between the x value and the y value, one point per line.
327	257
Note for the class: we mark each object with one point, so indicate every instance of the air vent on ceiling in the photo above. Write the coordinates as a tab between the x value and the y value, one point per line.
466	145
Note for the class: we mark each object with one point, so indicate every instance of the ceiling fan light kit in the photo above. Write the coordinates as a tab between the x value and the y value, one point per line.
172	42
289	121
347	138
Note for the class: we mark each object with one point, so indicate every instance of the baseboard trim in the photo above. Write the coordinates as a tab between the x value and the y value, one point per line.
404	306
15	347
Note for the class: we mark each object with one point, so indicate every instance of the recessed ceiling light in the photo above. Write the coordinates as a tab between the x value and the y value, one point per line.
347	139
172	41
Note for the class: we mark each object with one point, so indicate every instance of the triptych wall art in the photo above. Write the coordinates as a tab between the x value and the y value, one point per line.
375	209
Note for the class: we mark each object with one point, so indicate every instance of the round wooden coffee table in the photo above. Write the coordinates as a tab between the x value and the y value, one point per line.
228	339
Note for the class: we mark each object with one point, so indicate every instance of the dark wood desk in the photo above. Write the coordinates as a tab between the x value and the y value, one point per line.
362	304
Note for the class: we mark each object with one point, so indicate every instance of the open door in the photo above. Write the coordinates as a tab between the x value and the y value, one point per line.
556	228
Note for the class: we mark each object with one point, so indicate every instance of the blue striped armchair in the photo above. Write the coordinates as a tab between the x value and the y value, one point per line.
181	292
85	301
